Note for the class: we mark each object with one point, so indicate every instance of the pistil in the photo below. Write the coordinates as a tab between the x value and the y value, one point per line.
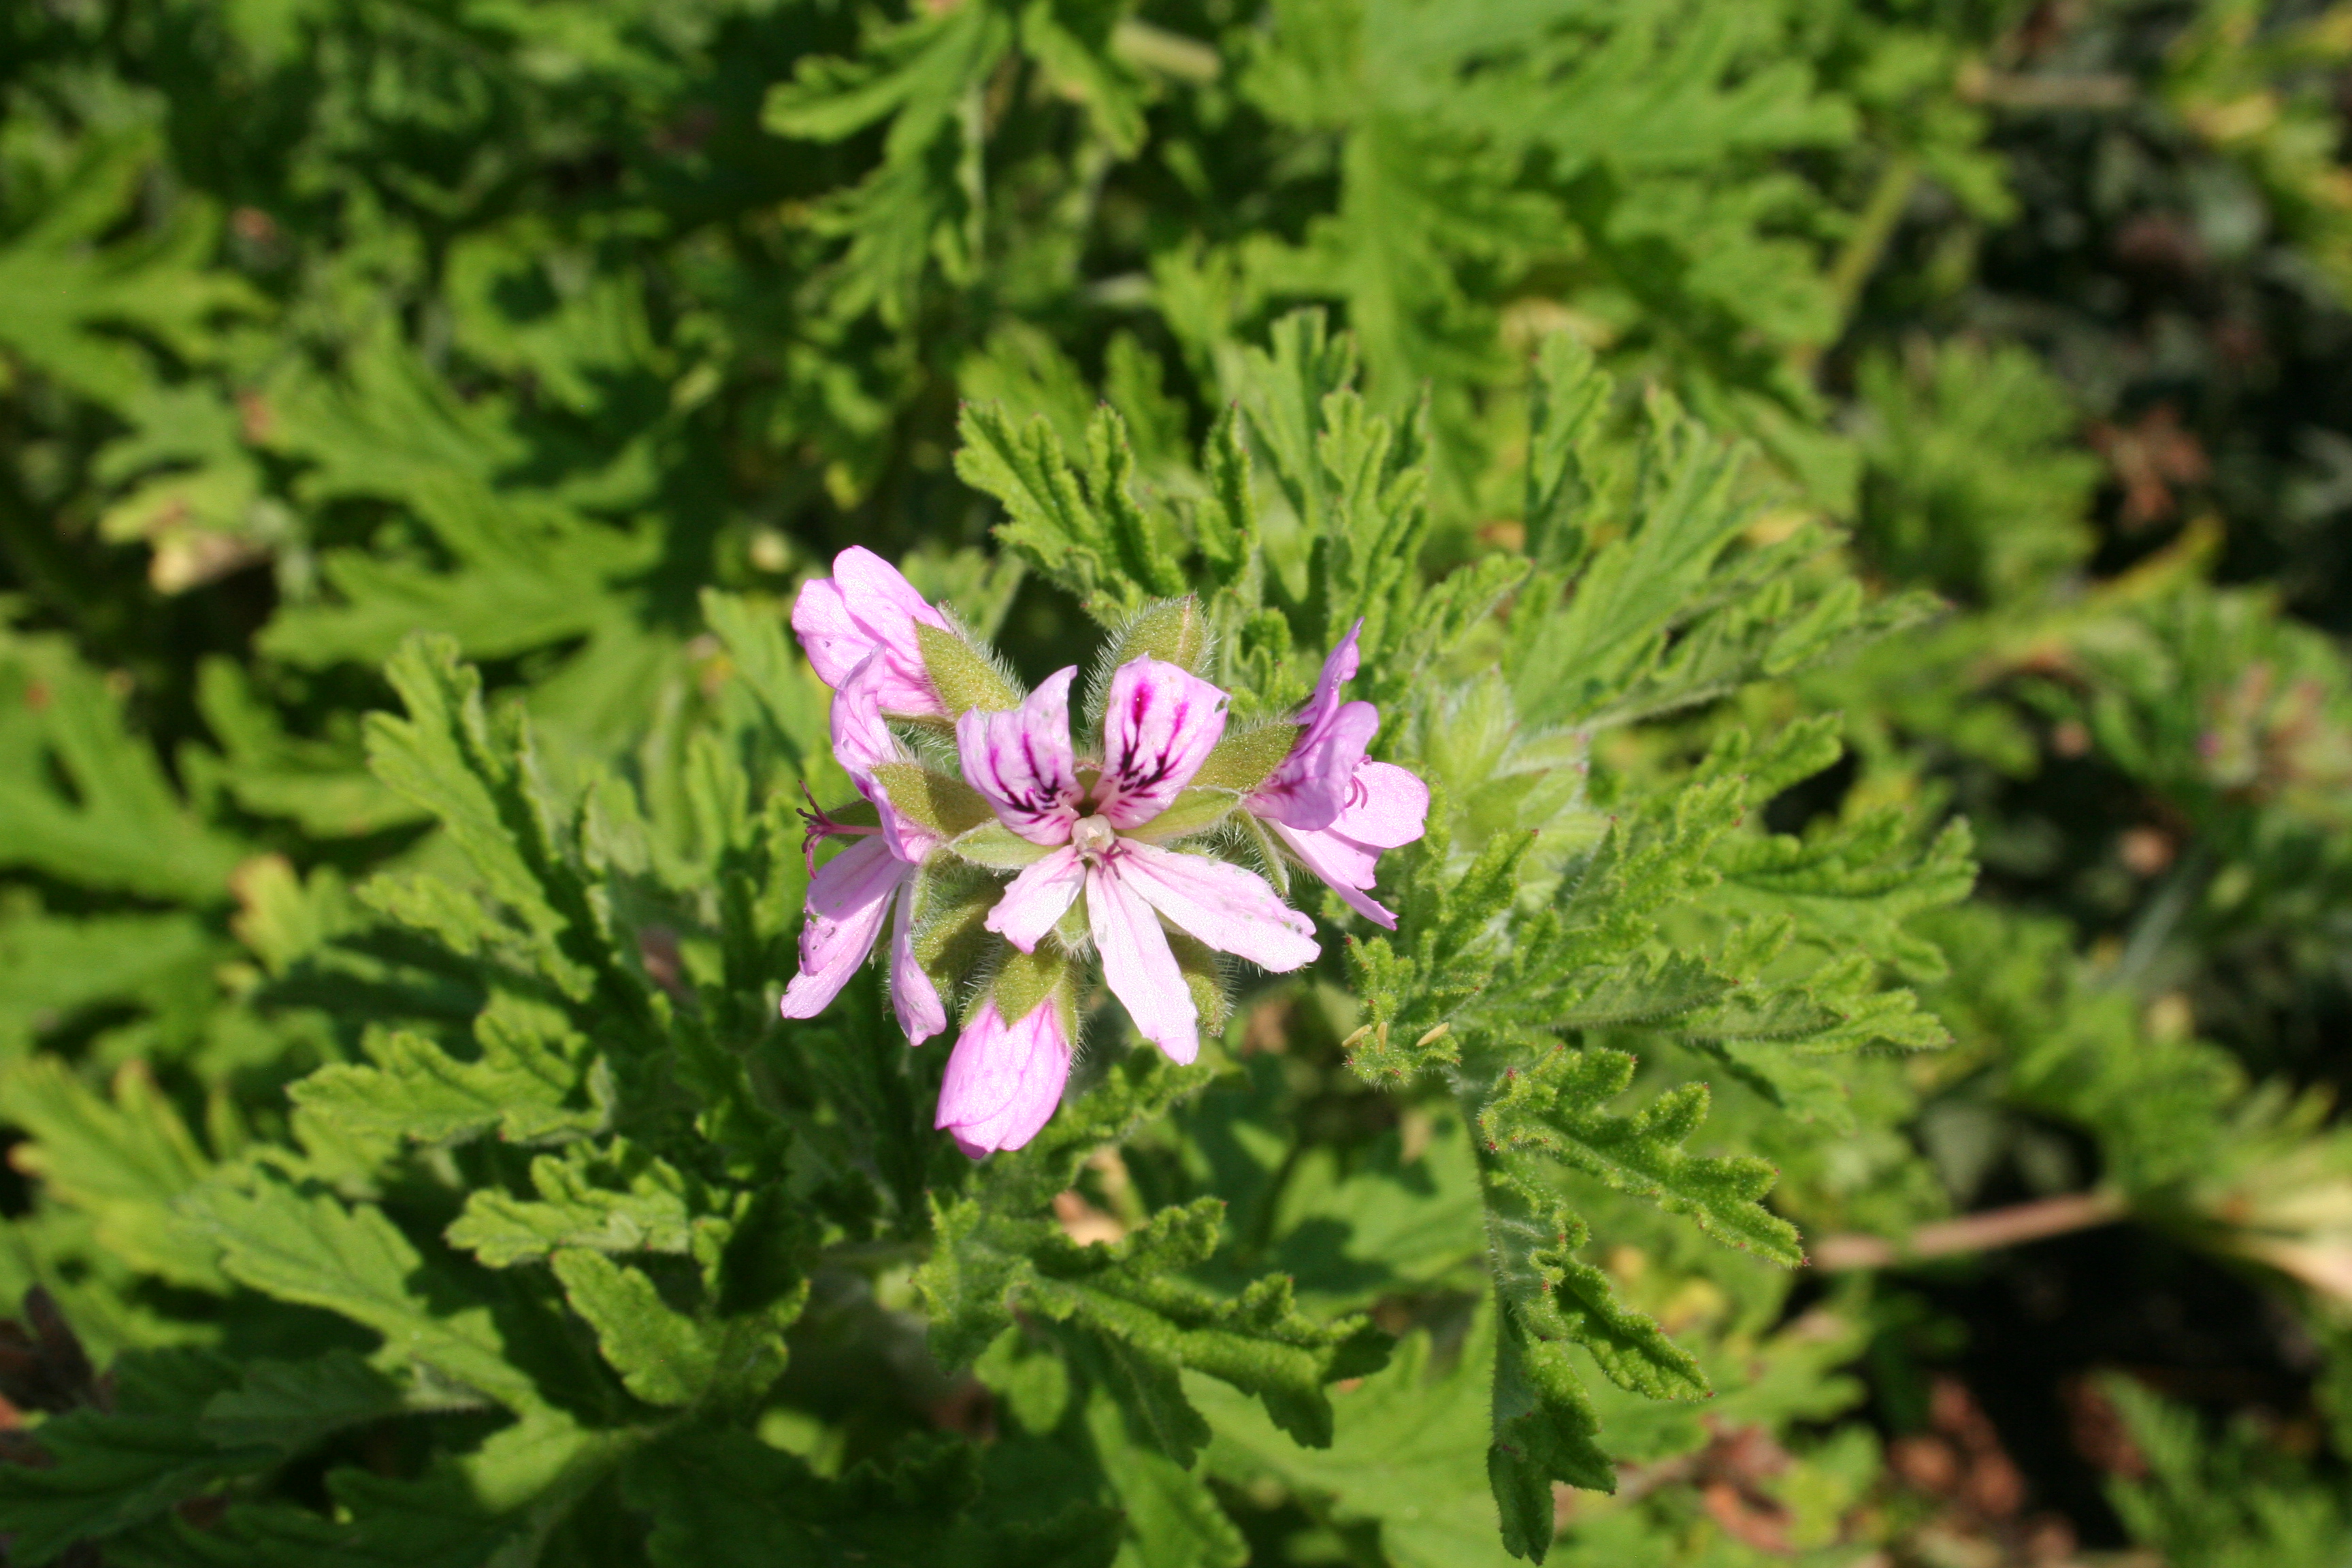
1092	837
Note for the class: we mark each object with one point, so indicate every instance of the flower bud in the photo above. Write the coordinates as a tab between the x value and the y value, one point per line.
1006	1074
1170	630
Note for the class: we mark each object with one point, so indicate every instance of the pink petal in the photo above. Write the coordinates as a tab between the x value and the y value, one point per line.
1387	807
912	995
904	687
1003	1080
836	645
881	599
1159	725
1035	899
1230	908
1023	764
1345	865
1140	967
1339	669
866	610
1310	789
847	902
861	742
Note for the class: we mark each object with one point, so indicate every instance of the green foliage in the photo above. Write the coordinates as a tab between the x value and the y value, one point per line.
2203	1502
1935	509
415	422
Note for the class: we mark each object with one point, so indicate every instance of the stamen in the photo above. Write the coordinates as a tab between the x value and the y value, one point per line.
1092	836
822	826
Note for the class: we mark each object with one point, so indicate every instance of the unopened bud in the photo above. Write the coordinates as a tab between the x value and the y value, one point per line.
1172	630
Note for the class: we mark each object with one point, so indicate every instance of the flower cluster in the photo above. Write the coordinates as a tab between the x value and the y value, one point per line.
1120	852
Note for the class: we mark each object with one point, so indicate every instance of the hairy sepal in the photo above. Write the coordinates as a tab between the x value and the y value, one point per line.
940	802
964	677
998	847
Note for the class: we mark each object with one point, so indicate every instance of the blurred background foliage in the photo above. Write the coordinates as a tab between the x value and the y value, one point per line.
323	321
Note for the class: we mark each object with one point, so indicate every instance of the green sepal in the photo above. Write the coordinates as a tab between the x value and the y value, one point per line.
945	804
1243	758
964	677
951	905
998	847
1204	978
1276	864
1076	928
1025	979
1196	810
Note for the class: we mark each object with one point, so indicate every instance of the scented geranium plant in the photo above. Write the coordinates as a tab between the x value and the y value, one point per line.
1103	847
632	1193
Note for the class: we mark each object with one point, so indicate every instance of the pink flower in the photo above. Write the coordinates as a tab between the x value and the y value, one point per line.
851	897
1159	725
866	611
1004	1079
1330	806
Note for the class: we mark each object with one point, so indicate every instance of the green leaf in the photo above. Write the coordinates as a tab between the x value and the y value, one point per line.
664	1356
922	199
111	1470
54	967
1405	1453
720	1496
1554	1107
291	1405
84	799
1853	886
1553	1295
443	758
301	1243
1091	536
1675	609
997	1255
528	1084
1544	1429
472	1511
648	1212
1147	1326
125	1164
794	697
1172	1516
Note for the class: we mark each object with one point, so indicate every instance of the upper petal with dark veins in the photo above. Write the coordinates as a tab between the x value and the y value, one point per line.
1159	725
1023	764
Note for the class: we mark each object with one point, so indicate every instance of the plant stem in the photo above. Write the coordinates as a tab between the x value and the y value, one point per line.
1971	1233
1859	257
